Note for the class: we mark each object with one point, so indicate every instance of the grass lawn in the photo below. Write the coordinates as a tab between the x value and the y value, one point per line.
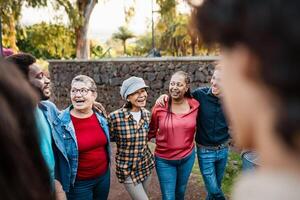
233	169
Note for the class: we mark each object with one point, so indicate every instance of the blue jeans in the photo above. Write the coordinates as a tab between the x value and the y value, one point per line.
173	176
94	189
212	164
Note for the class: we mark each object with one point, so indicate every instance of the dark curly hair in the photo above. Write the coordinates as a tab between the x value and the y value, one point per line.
22	61
23	172
270	30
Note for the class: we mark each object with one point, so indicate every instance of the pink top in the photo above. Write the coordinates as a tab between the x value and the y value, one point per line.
174	133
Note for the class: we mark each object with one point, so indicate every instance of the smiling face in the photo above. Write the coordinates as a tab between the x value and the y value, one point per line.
38	79
215	83
82	96
138	99
178	87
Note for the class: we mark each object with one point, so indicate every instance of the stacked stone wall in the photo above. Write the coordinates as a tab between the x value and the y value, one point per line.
110	73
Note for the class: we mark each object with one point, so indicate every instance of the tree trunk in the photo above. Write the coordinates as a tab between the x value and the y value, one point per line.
12	35
175	47
183	48
193	36
193	43
124	47
193	49
82	43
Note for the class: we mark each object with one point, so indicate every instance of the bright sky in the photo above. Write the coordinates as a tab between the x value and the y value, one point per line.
107	16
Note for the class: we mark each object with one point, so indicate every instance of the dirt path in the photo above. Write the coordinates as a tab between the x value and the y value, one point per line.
117	191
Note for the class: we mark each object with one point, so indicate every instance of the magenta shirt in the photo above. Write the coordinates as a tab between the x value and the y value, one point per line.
174	134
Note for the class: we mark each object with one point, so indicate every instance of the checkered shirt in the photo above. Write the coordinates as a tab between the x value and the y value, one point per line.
133	157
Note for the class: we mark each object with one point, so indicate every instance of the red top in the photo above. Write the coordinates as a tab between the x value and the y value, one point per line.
91	140
174	134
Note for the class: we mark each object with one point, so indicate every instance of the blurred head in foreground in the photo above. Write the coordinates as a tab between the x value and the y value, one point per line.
260	76
23	173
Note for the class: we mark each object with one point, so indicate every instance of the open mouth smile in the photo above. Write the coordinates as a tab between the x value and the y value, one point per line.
79	101
175	93
141	100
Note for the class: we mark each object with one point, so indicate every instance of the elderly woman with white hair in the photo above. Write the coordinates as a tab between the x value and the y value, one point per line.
129	127
83	151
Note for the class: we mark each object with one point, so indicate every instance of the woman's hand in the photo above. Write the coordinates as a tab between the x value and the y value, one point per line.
100	108
162	99
59	192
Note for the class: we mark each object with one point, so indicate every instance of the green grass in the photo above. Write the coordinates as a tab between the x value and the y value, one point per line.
233	169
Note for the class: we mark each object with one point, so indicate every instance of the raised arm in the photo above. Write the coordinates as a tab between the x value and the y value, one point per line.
111	128
161	100
100	108
153	127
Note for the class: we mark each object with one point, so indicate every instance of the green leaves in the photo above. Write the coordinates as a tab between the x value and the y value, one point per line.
48	41
123	34
72	10
10	11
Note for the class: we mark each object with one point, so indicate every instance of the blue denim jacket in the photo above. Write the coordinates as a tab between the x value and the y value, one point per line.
50	111
66	148
46	113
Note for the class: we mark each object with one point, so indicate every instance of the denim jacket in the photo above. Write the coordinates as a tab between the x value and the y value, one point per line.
50	111
46	113
66	148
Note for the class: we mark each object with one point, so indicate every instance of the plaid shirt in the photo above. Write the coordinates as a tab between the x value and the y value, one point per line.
133	157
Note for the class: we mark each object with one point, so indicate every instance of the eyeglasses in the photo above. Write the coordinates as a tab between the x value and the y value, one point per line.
82	91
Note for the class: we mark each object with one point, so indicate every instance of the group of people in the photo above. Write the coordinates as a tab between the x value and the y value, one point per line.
53	154
75	142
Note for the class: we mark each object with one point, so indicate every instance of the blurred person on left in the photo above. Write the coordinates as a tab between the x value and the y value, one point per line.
46	111
23	171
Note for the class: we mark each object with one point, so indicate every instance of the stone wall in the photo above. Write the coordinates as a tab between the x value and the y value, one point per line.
110	73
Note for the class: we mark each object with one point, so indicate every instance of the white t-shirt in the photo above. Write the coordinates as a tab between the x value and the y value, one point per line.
136	116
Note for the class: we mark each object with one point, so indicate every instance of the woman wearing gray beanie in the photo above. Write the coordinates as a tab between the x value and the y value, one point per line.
129	127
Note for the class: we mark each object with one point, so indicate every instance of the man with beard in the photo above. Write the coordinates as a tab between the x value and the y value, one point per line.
46	111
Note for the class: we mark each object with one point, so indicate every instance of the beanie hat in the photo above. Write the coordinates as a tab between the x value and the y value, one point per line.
131	85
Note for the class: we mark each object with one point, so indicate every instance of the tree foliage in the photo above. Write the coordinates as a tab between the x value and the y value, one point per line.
143	45
79	13
96	50
123	34
49	41
10	11
175	35
129	10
